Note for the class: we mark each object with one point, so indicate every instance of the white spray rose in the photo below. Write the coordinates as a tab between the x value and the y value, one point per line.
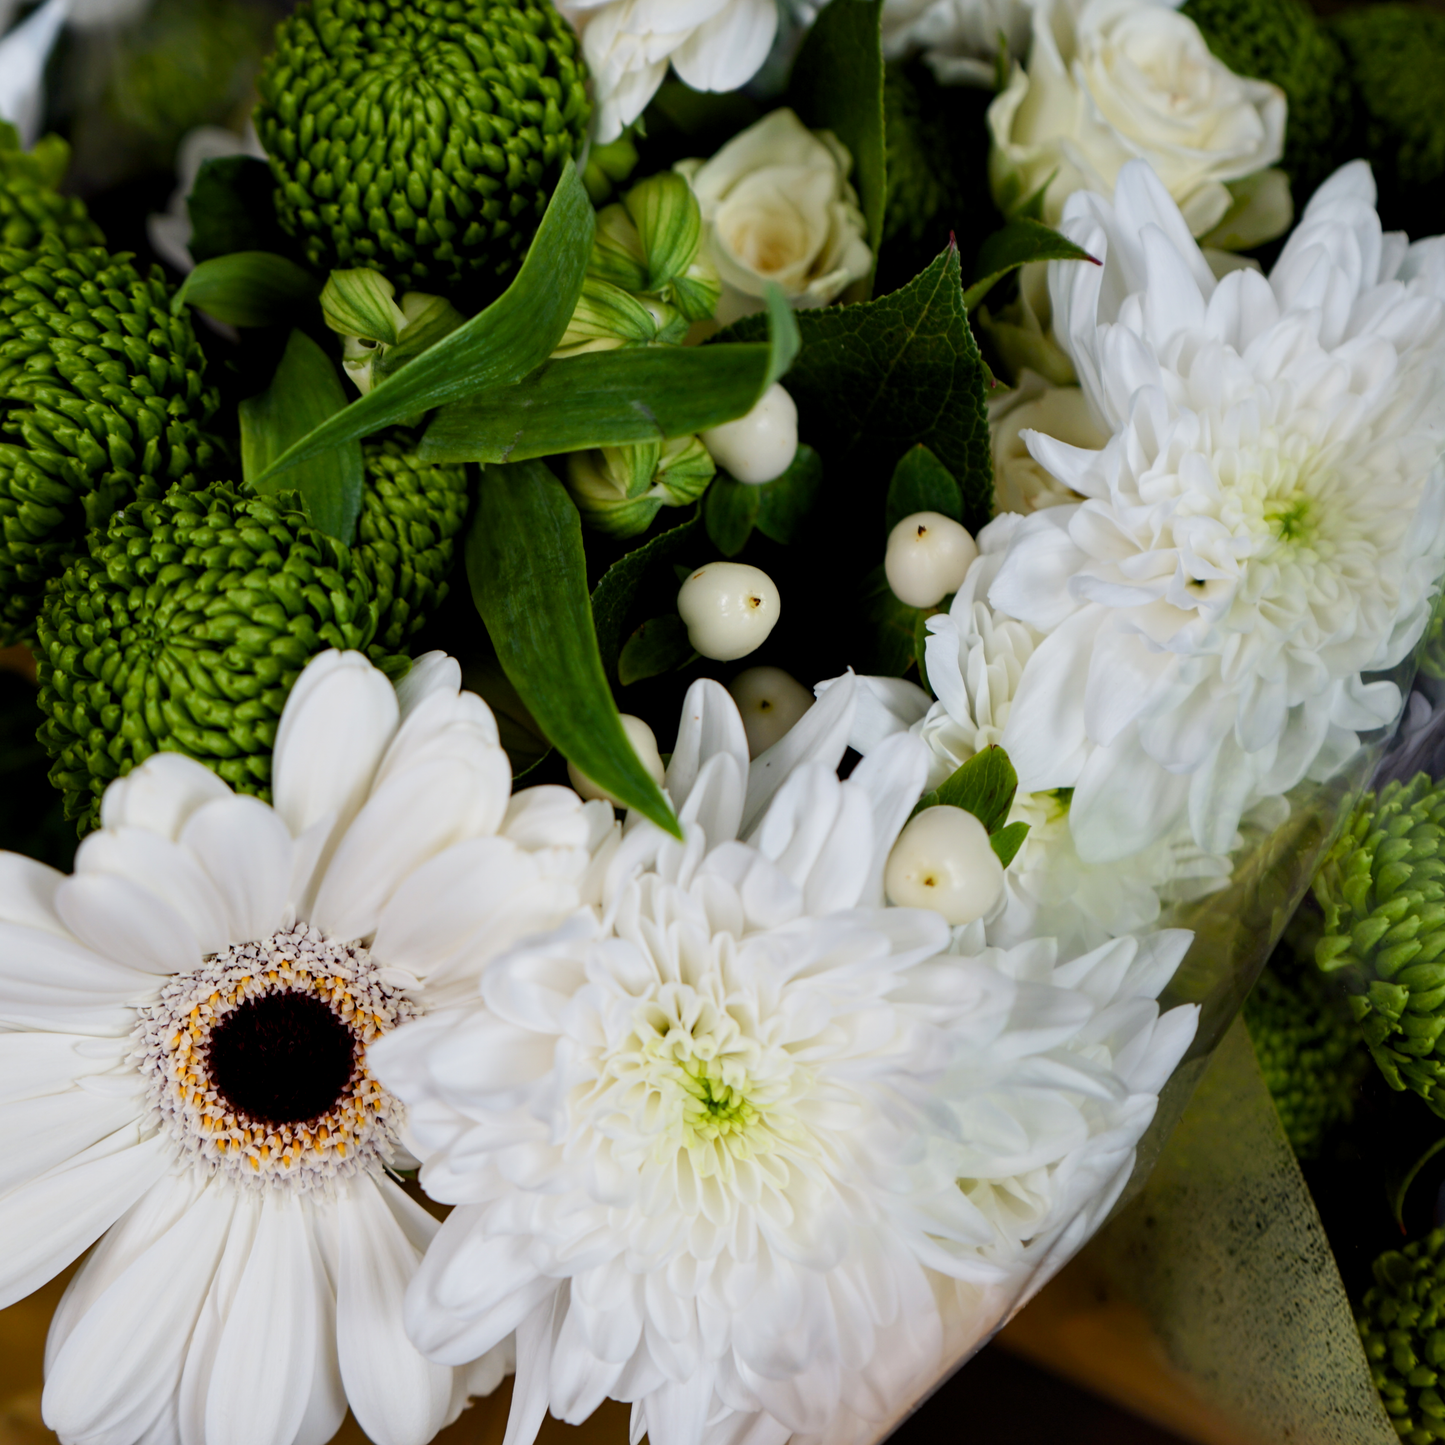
1021	484
1119	80
777	206
958	38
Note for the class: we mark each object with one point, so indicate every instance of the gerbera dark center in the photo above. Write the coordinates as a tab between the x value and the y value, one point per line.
282	1058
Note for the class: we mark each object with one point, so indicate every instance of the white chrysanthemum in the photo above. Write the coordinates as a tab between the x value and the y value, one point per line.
183	1027
958	38
757	1153
628	45
1263	528
1020	484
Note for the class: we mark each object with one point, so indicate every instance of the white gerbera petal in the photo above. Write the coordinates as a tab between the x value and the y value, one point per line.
160	796
246	851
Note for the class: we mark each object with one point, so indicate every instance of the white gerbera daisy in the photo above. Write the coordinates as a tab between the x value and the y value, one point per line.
183	1029
1263	527
756	1154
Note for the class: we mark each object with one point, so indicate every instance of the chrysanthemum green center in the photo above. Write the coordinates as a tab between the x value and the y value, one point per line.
714	1108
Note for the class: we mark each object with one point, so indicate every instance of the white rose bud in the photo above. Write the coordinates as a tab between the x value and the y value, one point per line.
760	446
944	861
644	744
729	609
928	557
770	701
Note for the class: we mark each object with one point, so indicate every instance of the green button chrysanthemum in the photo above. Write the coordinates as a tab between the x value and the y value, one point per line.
1402	1327
421	137
183	631
101	401
405	538
1382	889
30	205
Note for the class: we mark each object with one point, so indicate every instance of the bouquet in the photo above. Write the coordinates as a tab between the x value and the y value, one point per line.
693	647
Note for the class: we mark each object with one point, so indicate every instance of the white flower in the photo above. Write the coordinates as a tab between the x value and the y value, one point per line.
756	1154
959	38
1119	79
1264	526
183	1026
628	44
777	207
24	54
1020	484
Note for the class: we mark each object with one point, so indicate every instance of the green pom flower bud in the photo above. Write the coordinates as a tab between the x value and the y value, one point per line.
103	402
1281	41
1382	890
378	336
30	205
421	137
183	630
411	514
619	490
1402	1328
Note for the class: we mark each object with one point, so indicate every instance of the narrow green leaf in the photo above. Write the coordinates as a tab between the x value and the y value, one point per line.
528	577
837	85
1021	241
248	288
304	392
729	511
784	503
984	786
921	483
614	398
658	646
1007	841
512	337
231	208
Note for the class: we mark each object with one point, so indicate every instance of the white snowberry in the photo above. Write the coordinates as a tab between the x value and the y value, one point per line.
760	446
644	744
928	557
770	701
944	861
729	609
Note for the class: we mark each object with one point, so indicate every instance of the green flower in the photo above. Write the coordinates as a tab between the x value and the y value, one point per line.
30	206
1382	889
183	631
1396	55
410	517
1402	1327
1281	41
101	401
1308	1049
619	490
421	138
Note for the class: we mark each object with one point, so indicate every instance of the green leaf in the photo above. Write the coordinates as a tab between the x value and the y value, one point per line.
1007	841
231	208
730	510
984	786
528	577
658	646
883	643
304	392
872	380
784	503
513	336
614	595
1021	241
837	85
614	398
920	641
921	483
248	288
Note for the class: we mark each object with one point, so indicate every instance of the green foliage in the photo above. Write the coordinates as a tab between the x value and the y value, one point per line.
1382	889
984	786
248	288
1396	57
883	637
659	645
231	209
1018	243
30	204
183	630
1402	1328
921	483
777	509
1283	42
103	402
423	139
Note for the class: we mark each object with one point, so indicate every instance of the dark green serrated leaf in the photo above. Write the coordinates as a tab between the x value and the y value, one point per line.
729	511
304	392
659	645
248	288
883	646
984	786
615	398
784	503
1007	841
837	85
498	346
613	596
231	208
921	483
1021	241
528	576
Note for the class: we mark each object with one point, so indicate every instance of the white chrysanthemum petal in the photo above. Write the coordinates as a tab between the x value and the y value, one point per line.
160	795
710	725
733	44
820	735
247	853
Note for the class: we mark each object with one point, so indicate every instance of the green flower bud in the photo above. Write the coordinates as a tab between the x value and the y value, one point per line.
619	490
608	317
103	402
183	630
1402	1328
30	206
411	514
423	138
1382	889
607	166
360	303
617	254
378	336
